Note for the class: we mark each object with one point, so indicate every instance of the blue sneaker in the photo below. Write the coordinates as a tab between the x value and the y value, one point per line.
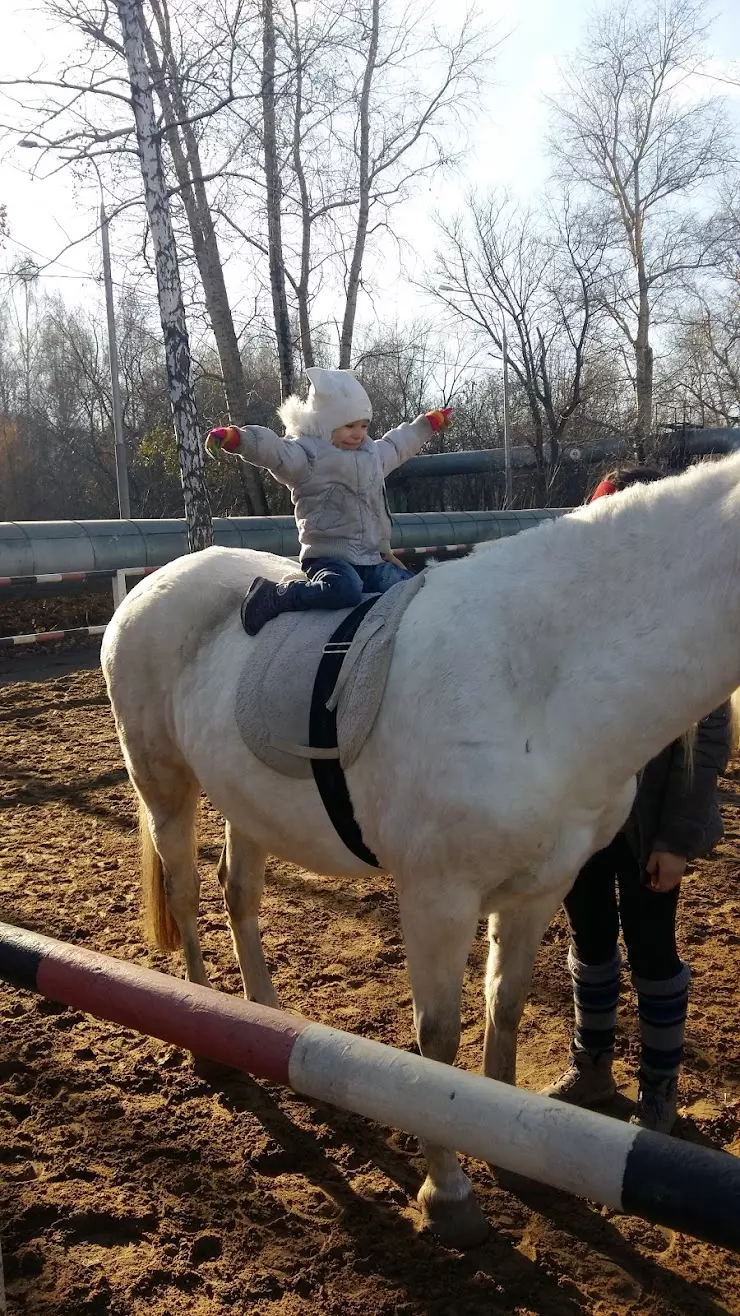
260	605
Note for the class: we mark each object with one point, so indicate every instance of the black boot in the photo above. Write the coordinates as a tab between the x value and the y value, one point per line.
588	1081
662	1004
260	605
657	1104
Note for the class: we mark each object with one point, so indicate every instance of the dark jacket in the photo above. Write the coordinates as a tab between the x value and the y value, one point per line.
676	810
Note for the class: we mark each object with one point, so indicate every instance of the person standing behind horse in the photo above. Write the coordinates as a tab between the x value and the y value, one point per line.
336	476
635	881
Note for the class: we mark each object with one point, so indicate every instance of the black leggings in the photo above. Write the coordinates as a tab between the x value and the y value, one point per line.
609	890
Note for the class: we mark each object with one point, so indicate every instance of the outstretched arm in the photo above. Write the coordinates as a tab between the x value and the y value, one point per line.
287	460
405	441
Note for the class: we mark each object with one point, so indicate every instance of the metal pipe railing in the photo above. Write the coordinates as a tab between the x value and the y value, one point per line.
490	461
34	548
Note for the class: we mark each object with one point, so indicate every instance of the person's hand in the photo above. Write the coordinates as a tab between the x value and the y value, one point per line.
225	438
665	870
390	557
440	420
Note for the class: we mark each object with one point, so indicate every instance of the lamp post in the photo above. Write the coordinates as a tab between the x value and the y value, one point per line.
124	505
509	496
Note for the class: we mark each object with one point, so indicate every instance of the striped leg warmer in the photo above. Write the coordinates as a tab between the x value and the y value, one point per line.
662	1006
595	997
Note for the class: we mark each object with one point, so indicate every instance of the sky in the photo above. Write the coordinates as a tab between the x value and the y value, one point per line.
506	146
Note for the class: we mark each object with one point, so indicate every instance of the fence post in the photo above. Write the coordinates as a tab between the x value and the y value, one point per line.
119	589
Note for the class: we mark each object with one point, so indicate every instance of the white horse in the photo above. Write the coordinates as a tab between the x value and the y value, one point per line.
529	683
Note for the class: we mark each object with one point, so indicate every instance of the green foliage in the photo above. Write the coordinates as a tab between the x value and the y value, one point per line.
158	450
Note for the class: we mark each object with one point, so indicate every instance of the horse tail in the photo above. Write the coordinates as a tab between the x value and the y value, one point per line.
160	927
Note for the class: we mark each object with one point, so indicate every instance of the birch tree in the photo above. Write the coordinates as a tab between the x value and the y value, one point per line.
76	118
628	129
185	151
169	290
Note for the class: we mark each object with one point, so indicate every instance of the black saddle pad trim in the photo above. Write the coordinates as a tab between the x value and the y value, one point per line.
328	773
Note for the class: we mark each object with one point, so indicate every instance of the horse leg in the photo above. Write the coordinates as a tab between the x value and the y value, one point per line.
514	939
170	876
438	940
241	872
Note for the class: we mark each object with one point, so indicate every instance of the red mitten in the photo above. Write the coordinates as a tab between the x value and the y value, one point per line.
225	438
440	420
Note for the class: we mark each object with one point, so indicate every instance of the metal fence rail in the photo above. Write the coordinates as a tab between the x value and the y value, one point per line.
41	548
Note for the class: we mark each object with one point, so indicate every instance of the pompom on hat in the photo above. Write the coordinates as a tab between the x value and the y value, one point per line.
335	398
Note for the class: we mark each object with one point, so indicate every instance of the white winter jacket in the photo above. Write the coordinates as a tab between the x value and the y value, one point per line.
338	497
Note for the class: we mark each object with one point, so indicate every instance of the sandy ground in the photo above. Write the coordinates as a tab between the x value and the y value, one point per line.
129	1186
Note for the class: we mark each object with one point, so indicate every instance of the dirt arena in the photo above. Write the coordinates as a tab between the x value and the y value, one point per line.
129	1186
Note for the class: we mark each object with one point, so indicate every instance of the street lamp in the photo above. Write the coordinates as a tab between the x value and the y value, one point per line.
509	497
124	505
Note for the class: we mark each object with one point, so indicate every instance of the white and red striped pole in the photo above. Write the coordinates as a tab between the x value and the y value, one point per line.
669	1182
46	637
70	577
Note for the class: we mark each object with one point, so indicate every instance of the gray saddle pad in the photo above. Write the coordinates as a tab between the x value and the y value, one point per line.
273	698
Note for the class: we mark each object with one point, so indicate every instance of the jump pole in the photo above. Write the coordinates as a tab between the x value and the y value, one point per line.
664	1180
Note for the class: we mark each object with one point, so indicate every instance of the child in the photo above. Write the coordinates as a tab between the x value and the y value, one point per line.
336	476
634	883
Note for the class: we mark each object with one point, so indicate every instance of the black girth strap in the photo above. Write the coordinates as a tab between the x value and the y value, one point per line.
328	774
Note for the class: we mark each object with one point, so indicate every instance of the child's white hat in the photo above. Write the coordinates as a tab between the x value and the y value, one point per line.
335	398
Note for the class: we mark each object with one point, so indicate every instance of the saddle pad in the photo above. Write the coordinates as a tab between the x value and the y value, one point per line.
360	685
273	698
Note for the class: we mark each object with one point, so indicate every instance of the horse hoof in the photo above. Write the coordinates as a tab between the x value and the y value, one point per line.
456	1222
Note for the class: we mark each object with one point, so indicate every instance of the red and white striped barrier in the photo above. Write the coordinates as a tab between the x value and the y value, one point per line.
119	592
438	548
76	577
46	637
73	577
117	579
665	1180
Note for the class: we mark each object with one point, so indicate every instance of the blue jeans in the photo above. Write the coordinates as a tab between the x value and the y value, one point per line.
335	584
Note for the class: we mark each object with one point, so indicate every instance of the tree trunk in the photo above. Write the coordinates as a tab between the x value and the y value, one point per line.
205	245
353	281
642	348
169	290
302	290
643	382
274	226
